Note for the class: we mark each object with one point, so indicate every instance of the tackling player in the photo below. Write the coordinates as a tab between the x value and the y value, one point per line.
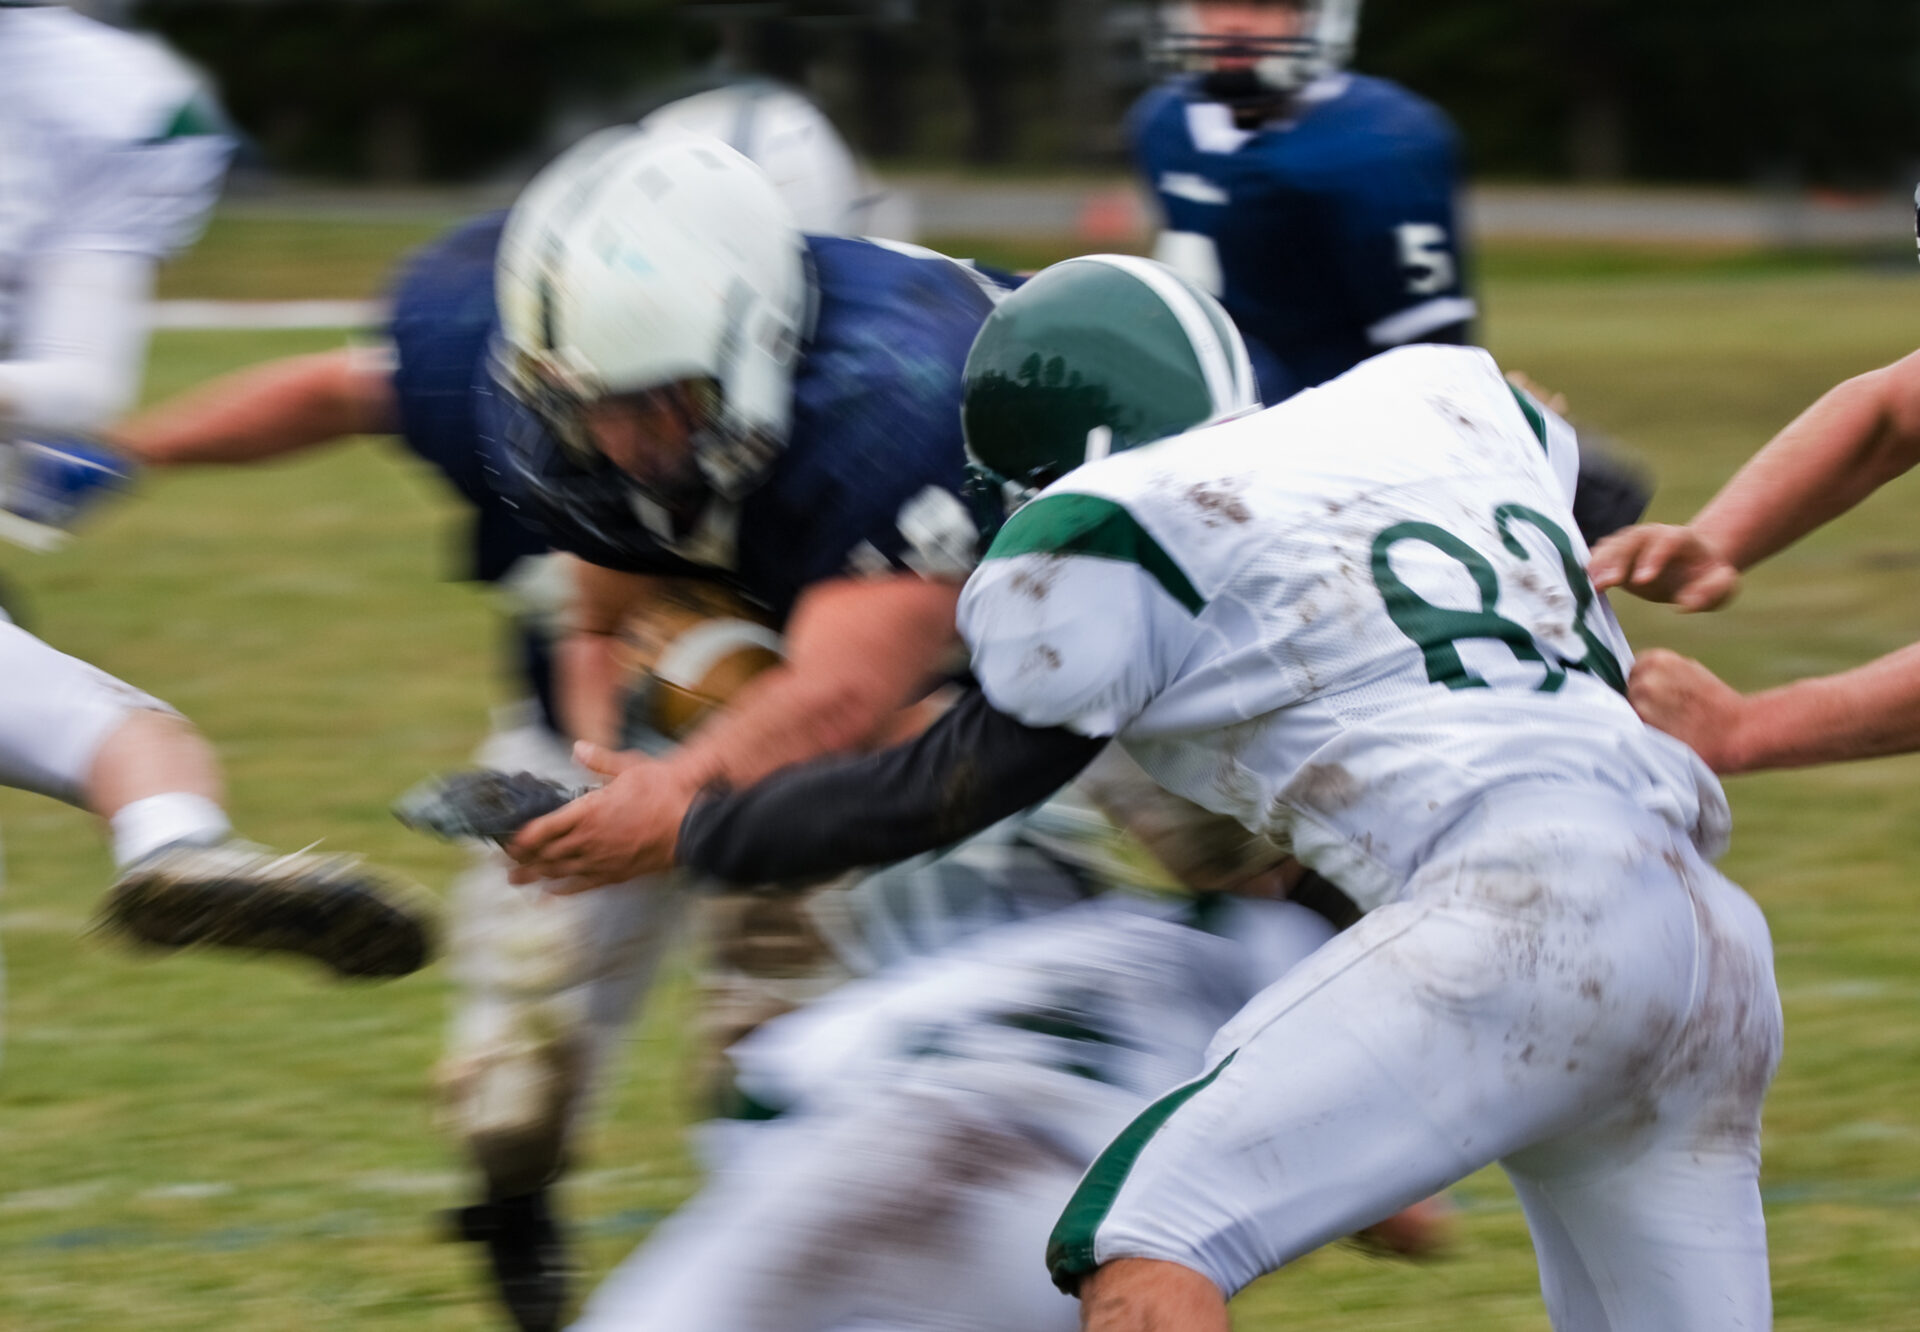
1358	621
1856	438
868	393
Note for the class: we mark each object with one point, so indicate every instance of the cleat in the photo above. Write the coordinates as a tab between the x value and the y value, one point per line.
333	909
481	803
47	484
532	1269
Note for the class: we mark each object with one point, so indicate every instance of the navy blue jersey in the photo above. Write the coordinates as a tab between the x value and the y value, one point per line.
876	433
1334	232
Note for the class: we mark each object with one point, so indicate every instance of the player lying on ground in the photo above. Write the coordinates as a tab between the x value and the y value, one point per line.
934	1117
1856	438
1359	620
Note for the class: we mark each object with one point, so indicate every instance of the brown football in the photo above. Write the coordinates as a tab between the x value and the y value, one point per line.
689	650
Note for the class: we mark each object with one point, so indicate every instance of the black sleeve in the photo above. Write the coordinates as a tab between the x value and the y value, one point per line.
970	769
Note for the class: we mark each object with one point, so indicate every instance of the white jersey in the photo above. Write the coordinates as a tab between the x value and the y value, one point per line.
1341	620
107	142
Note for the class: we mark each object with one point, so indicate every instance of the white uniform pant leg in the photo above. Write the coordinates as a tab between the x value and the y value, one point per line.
545	987
1603	994
1674	1238
55	713
920	1211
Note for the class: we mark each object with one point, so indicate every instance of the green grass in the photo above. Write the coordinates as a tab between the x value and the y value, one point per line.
192	1142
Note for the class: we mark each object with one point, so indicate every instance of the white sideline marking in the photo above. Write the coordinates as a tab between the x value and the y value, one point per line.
267	314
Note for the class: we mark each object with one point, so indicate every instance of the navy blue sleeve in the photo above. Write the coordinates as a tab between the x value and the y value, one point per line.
1393	174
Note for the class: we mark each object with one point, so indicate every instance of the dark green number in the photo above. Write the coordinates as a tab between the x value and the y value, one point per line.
1438	630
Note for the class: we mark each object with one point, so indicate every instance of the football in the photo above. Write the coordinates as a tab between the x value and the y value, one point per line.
686	652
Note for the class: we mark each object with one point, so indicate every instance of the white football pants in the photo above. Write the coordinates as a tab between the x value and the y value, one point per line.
1566	988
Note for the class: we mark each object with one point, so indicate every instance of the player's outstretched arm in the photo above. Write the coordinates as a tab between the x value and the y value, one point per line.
1857	437
1867	712
82	339
966	772
857	651
267	410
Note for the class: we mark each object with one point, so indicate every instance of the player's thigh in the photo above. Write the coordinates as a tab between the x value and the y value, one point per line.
55	712
1434	1037
1673	1241
1650	1217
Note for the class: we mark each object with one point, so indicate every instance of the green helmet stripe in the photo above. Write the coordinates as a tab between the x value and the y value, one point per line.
1072	524
1225	389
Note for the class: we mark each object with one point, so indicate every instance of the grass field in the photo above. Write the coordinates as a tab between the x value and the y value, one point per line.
192	1143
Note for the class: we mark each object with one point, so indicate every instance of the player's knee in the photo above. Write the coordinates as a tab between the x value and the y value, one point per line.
1150	1295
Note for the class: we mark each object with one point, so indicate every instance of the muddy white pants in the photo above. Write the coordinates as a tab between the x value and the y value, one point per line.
1568	989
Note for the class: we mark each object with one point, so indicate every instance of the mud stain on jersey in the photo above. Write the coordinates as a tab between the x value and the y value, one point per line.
1041	657
1035	581
1220	502
1327	787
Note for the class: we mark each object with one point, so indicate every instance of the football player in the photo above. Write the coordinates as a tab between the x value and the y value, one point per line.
1860	435
546	986
114	155
917	1130
110	158
1317	204
1360	621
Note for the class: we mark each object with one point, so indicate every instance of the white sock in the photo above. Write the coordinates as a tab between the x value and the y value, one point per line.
144	826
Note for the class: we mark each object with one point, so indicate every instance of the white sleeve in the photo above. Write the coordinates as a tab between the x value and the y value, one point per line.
1079	641
149	198
81	342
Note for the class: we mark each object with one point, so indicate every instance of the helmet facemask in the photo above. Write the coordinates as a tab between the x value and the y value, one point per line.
657	267
1246	56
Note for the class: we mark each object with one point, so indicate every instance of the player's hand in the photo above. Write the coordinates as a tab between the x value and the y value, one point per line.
1664	563
627	828
1678	695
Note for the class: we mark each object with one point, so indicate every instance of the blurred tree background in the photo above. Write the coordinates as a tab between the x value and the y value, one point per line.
1774	91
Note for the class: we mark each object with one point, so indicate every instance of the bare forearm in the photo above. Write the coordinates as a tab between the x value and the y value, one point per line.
1867	712
1856	438
266	411
857	654
589	687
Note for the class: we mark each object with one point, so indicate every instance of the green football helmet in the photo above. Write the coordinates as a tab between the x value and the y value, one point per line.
1089	357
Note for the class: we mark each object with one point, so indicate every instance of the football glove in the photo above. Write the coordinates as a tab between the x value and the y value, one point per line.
481	803
48	482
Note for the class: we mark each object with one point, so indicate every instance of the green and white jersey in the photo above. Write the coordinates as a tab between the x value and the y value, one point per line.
1341	621
107	142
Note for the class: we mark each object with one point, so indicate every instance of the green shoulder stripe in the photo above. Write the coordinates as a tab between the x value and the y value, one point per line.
1070	524
1532	413
196	117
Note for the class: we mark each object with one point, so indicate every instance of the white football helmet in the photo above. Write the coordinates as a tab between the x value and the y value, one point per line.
789	138
1322	45
647	257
